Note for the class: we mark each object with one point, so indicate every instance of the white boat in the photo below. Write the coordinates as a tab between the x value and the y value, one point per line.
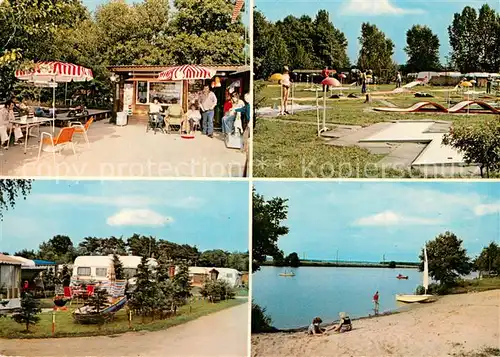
425	283
289	273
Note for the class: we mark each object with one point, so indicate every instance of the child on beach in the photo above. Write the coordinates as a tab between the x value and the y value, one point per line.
344	323
314	327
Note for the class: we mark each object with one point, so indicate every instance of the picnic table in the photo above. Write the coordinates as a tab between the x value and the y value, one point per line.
27	124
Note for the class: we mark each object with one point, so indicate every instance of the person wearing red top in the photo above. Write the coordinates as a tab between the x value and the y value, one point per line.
325	73
228	104
375	301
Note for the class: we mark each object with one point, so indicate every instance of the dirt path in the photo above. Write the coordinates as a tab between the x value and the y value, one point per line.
222	334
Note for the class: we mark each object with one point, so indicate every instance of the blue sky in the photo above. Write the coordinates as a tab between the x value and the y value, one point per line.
394	17
365	220
211	215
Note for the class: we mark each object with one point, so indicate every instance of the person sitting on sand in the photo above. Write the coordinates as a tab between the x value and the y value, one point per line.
344	323
314	327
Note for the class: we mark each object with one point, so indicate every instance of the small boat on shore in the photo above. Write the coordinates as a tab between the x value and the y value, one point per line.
87	315
412	298
287	274
402	277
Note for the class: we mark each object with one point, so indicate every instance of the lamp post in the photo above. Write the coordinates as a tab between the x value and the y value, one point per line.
114	79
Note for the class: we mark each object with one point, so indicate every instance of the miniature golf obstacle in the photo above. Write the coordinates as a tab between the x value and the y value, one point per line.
327	82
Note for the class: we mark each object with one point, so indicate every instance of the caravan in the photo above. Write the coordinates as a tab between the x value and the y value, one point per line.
100	268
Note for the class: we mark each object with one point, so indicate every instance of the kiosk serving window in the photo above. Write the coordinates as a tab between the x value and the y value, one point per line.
166	92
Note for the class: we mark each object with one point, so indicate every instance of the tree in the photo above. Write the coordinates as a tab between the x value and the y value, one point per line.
479	144
293	260
11	190
98	300
447	258
475	40
489	259
29	311
142	246
48	278
143	298
267	229
238	261
118	267
422	48
392	264
214	258
204	33
27	32
182	285
330	44
28	254
59	248
270	50
216	290
376	50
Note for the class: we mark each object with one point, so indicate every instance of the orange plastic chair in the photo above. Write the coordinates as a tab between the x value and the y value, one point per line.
82	129
62	140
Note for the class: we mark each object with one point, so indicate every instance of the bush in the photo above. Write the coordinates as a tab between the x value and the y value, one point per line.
261	322
392	264
217	290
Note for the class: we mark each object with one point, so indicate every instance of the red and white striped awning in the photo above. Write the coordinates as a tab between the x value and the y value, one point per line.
187	72
55	72
237	9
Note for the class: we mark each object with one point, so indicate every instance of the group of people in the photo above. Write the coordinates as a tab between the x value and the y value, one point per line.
7	126
201	112
344	325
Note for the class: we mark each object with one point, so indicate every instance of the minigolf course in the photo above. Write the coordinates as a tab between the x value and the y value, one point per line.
459	108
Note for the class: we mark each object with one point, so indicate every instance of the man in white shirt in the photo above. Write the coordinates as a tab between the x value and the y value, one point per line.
208	102
6	116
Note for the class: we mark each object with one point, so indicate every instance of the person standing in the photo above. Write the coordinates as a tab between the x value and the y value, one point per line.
6	118
208	102
285	84
488	85
363	82
376	303
398	80
325	74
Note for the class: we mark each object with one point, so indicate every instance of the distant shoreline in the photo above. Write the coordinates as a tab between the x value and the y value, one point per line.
312	263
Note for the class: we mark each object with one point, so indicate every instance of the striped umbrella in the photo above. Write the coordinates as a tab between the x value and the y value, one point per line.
237	9
55	72
187	72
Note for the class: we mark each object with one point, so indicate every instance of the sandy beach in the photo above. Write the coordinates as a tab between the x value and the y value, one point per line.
454	325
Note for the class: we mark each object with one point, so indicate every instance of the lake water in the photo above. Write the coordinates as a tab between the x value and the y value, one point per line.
319	291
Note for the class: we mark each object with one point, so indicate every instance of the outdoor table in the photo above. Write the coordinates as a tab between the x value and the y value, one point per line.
28	123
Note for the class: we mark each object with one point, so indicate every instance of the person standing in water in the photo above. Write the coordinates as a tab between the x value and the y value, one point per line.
375	303
285	84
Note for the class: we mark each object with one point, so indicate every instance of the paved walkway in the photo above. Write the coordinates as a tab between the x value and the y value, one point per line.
223	334
128	151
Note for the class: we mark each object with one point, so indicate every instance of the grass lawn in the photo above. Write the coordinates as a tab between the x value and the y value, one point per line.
476	285
289	146
66	327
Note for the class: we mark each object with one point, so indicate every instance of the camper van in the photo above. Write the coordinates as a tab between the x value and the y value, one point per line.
100	268
199	275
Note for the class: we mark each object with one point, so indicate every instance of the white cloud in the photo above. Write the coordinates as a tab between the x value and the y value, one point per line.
124	200
390	218
138	217
486	209
376	7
